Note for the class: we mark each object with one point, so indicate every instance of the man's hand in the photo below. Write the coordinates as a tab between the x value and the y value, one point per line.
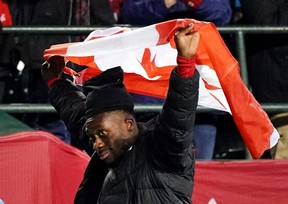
187	41
170	3
52	68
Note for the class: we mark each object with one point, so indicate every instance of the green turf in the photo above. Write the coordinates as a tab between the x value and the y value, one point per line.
9	124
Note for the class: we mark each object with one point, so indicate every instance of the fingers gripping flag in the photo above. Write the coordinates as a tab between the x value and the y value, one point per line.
147	55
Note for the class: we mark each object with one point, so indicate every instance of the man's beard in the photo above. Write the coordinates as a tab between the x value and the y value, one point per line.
123	145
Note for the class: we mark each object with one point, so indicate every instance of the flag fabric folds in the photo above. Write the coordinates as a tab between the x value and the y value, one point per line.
148	54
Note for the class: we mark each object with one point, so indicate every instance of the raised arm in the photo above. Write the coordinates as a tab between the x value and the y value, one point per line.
172	143
66	98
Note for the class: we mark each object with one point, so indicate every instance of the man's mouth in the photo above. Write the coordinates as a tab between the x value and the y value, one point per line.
104	154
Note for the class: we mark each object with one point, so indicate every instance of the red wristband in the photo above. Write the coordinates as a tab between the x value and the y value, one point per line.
51	81
186	66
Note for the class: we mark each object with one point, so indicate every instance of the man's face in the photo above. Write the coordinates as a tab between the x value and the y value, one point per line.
112	134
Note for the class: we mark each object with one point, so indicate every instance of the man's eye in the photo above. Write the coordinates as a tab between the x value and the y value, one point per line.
92	140
102	133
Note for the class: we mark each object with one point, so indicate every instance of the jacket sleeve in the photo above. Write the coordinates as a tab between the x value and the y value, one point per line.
265	12
171	145
69	102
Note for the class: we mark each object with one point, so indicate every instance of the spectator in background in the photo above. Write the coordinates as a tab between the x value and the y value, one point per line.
5	69
5	16
267	56
236	12
28	48
116	6
146	12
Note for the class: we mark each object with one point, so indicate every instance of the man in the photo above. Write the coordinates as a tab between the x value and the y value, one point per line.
133	162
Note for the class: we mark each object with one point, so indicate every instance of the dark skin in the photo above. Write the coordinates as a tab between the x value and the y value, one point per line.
114	133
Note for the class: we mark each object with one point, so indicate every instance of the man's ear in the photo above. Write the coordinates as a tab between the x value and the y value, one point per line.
130	123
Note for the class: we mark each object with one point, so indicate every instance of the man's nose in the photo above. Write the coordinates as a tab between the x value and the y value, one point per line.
98	144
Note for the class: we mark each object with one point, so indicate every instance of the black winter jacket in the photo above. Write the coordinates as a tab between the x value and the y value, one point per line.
160	166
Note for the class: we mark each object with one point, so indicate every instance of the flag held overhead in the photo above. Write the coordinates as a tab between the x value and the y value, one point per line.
147	55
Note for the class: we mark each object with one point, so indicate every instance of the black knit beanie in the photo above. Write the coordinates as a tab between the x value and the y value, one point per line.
106	92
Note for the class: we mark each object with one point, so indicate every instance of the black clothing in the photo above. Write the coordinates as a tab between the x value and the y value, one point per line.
267	54
159	168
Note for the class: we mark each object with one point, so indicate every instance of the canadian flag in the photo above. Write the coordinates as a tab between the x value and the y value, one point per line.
148	54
